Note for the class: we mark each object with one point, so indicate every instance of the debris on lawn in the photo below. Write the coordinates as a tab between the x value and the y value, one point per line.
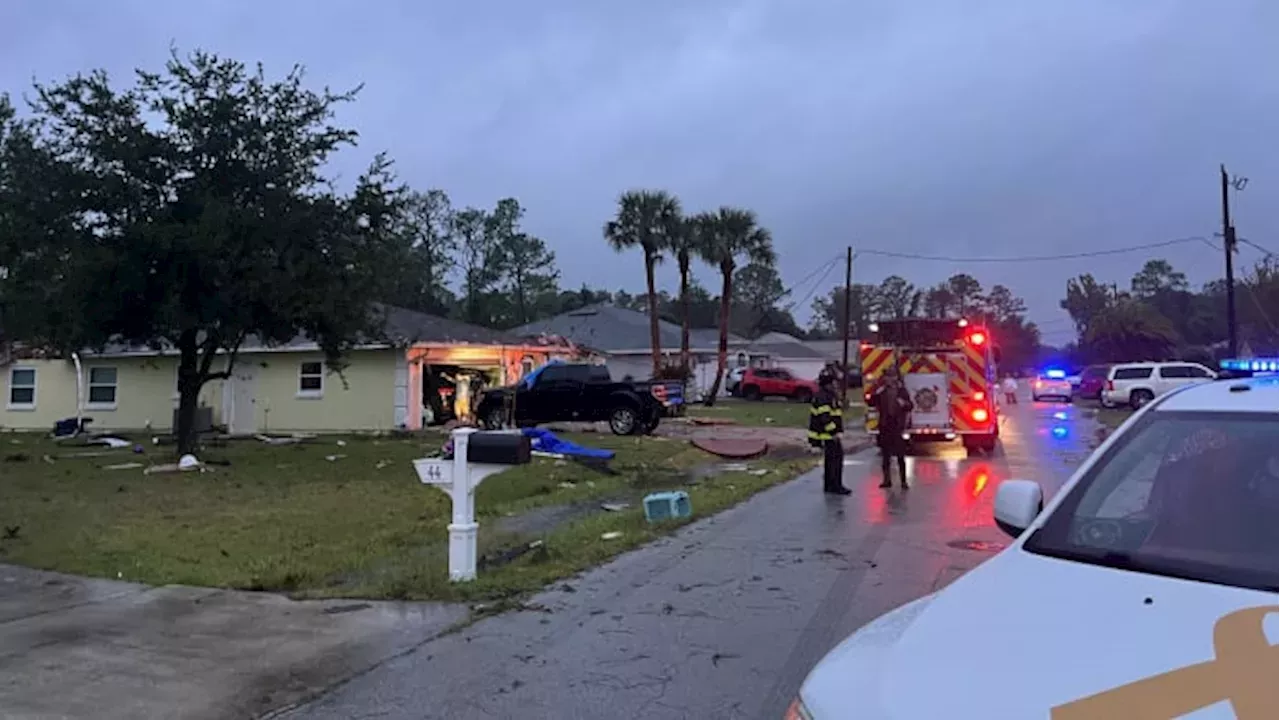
615	506
186	463
333	458
712	421
17	457
543	440
511	554
734	448
567	485
614	535
758	472
668	505
114	443
553	456
123	466
293	439
381	464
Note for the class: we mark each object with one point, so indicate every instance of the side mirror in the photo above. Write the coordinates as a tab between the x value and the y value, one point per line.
1017	504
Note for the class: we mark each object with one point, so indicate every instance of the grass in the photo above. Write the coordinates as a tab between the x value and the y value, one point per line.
286	518
771	412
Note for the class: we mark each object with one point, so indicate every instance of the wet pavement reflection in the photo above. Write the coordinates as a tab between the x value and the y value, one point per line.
725	619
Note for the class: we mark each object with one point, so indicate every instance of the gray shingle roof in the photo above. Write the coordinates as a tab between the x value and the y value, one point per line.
788	351
614	329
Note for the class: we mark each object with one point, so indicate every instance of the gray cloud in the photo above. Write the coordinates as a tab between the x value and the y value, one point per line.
976	128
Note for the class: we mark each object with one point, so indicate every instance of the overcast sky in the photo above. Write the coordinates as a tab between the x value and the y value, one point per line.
950	128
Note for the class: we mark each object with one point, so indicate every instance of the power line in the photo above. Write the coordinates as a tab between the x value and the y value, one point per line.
1255	246
1030	258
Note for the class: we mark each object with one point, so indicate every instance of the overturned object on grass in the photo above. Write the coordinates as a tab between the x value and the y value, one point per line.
545	441
733	448
667	506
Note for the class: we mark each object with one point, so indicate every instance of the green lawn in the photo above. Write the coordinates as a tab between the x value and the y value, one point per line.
289	518
771	412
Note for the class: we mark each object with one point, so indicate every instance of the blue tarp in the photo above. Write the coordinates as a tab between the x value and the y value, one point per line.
547	441
528	380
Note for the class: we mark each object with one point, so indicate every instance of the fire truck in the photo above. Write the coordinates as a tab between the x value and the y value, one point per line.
949	368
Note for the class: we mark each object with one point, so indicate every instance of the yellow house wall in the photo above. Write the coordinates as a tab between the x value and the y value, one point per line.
367	402
146	392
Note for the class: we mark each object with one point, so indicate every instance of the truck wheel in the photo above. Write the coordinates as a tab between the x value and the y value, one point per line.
803	395
623	420
751	392
1138	398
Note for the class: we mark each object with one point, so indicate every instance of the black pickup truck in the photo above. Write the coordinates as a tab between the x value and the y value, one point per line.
580	392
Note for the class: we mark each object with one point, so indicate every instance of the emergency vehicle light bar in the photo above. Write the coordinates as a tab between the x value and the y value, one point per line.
1255	365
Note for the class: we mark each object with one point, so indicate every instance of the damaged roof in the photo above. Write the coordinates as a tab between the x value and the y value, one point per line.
615	329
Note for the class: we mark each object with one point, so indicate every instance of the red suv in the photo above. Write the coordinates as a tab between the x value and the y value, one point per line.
760	383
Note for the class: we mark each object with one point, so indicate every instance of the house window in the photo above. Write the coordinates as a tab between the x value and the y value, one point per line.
22	388
311	379
102	386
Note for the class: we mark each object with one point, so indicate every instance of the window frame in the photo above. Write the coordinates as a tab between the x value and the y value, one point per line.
89	385
35	384
310	393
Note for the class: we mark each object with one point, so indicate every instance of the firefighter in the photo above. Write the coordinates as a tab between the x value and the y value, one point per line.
826	424
893	403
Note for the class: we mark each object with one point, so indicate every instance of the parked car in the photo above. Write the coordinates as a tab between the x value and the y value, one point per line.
760	383
1136	384
1051	384
733	380
582	392
1158	552
1092	380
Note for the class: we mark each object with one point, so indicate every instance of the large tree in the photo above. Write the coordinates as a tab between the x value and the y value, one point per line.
1086	299
648	220
427	224
531	273
481	264
725	238
190	211
828	312
897	298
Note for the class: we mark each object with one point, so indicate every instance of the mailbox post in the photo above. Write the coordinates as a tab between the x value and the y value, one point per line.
476	456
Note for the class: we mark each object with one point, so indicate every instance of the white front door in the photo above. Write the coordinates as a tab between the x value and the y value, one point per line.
243	399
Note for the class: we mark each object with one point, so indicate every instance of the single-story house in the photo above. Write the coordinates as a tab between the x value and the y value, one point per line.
622	337
794	354
272	388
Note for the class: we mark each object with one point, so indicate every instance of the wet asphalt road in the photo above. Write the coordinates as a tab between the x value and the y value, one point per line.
724	619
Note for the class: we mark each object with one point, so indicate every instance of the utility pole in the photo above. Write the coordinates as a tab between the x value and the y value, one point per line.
1228	247
848	320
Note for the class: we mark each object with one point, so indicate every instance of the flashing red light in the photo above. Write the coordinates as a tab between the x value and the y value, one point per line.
979	396
977	338
980	415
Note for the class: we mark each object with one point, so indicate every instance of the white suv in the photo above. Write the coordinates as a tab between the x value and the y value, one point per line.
1136	384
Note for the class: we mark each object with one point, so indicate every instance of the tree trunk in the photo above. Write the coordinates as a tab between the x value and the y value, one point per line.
722	353
684	318
189	383
655	339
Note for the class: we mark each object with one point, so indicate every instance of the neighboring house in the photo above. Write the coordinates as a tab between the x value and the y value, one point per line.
787	351
272	387
623	337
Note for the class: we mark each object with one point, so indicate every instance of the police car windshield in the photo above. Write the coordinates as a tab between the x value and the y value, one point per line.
1189	495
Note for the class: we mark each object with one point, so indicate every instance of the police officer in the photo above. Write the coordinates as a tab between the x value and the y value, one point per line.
826	424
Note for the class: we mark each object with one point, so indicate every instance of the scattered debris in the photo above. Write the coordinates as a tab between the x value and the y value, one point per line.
188	462
114	443
342	443
11	532
351	607
735	448
614	535
283	439
48	459
567	486
712	421
381	464
551	455
758	472
511	554
614	506
123	466
334	458
17	457
733	467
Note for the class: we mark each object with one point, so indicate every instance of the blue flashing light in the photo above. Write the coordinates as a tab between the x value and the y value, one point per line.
1055	374
1255	365
1059	432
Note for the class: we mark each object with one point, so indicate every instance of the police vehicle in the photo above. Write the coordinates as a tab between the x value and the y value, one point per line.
1051	383
1146	588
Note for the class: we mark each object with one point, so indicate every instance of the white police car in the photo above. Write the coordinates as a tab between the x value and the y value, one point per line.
1146	589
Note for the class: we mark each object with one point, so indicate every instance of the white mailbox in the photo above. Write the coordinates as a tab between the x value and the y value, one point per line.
459	479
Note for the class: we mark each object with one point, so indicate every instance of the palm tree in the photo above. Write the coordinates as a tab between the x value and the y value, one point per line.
722	238
646	219
683	245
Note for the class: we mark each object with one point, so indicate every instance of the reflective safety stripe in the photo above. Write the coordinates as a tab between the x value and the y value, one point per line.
820	409
831	427
819	436
837	412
